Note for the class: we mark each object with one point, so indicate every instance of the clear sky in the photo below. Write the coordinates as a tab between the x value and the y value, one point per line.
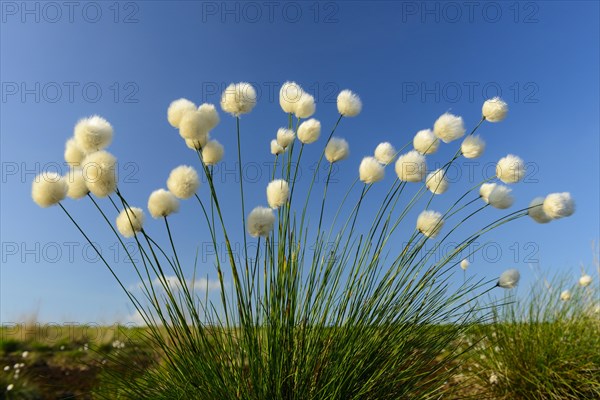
410	61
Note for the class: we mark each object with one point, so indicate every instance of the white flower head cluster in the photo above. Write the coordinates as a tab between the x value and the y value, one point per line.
411	167
336	150
260	222
370	170
177	109
309	131
436	182
238	98
559	205
472	147
285	137
430	223
536	211
278	192
385	153
100	173
305	107
93	134
129	221
183	182
494	110
48	189
509	279
510	169
464	264
212	152
73	154
77	183
500	197
276	149
585	280
162	203
425	142
294	100
565	295
449	127
348	103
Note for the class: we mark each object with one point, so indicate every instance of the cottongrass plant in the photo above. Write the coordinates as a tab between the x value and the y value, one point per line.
543	346
323	306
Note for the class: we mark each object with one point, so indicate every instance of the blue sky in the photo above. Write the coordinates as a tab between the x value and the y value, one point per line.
409	61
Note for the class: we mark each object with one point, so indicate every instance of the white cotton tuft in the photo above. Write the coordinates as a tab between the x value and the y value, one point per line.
100	173
93	134
183	182
464	264
162	203
385	153
276	149
559	205
430	223
494	110
305	107
48	189
425	142
209	116
485	190
449	127
285	137
585	280
194	144
411	167
260	222
289	96
129	221
278	192
510	169
77	184
348	103
509	279
536	211
177	109
192	127
212	152
472	147
73	154
565	295
336	150
309	131
370	170
436	182
500	197
238	98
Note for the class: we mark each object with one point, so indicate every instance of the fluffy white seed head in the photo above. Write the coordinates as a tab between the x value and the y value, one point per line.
510	169
93	134
73	154
209	116
500	197
289	96
212	152
411	167
76	183
191	126
285	137
370	170
309	131
472	147
183	182
197	144
425	142
565	295
536	211
238	98
305	107
276	149
99	170
559	205
430	223
278	192
485	190
129	221
336	150
436	182
509	279
162	203
493	379
494	110
260	222
449	127
177	109
385	153
48	189
585	280
464	264
348	103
